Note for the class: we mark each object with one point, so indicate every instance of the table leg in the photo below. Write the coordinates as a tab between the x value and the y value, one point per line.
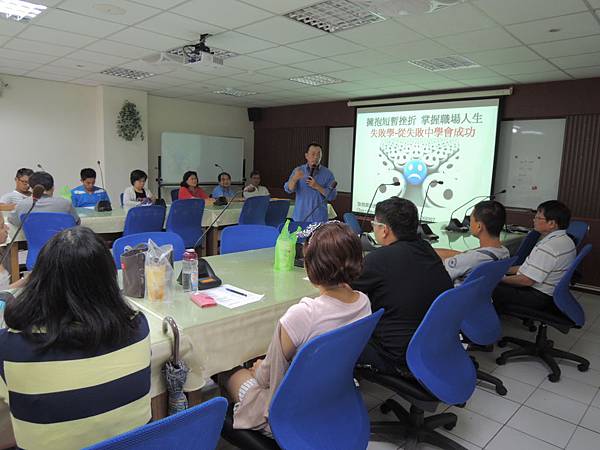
14	263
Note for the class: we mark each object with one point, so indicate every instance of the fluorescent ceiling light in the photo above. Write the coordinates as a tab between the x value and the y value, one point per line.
234	92
316	80
335	15
130	74
444	63
19	10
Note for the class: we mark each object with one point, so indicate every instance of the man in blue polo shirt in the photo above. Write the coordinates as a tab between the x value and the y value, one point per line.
87	195
311	182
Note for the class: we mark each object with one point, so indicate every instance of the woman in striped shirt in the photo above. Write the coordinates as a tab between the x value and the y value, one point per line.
75	360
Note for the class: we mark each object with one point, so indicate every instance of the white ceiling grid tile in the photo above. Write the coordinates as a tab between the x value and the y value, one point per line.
404	88
264	88
71	63
491	81
455	19
178	26
437	85
24	45
503	55
7	70
286	72
18	64
147	39
48	76
10	27
507	12
568	47
577	61
380	34
321	66
524	68
416	50
238	43
253	77
76	23
214	71
283	55
248	63
469	73
133	12
352	74
571	26
327	46
474	41
594	3
147	67
189	75
119	49
224	13
66	71
86	82
364	58
25	56
281	30
555	75
51	36
585	72
227	82
162	4
98	58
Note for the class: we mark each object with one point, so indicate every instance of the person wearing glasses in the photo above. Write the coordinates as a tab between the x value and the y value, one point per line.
532	283
404	277
9	200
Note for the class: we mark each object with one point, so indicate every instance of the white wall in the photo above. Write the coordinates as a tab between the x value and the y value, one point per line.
168	114
66	127
50	123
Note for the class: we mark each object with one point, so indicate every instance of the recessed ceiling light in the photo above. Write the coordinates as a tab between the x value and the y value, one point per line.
107	8
444	63
316	80
234	92
127	73
20	11
335	15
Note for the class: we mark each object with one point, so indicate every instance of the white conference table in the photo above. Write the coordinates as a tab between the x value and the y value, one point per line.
113	222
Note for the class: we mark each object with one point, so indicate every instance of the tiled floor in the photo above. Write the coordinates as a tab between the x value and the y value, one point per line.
535	414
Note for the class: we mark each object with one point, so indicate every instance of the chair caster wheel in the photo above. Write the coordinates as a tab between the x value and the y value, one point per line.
501	390
500	361
384	408
502	343
449	426
583	367
553	377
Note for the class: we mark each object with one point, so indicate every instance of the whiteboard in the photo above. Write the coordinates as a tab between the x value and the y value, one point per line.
528	161
341	142
181	152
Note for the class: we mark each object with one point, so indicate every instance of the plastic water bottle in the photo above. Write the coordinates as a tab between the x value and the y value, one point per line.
189	274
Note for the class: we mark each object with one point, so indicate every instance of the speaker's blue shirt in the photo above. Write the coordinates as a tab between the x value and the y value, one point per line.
83	199
308	198
220	191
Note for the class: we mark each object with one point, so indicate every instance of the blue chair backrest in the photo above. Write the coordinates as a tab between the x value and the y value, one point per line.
277	212
578	230
482	324
241	238
435	354
352	221
254	210
39	227
563	299
317	404
197	428
185	219
174	194
142	219
121	199
526	246
158	237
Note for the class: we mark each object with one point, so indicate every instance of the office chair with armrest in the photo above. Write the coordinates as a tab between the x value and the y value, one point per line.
317	405
443	371
568	314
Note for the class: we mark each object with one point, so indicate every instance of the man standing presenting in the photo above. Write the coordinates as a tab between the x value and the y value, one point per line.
312	183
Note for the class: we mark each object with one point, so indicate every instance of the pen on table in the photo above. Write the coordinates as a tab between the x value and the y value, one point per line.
236	292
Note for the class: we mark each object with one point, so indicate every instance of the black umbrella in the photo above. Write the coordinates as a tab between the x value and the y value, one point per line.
175	371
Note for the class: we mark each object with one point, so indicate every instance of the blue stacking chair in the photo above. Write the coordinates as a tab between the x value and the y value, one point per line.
526	246
39	227
142	219
568	314
317	406
578	230
352	221
241	238
442	369
174	194
158	237
254	210
482	325
277	212
185	219
197	428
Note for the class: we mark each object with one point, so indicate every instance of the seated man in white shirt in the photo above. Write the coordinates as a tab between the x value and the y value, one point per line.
532	284
254	189
487	220
21	192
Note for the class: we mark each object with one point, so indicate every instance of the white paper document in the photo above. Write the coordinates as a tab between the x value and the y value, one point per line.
232	297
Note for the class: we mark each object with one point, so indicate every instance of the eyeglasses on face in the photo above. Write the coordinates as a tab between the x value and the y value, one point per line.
374	224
